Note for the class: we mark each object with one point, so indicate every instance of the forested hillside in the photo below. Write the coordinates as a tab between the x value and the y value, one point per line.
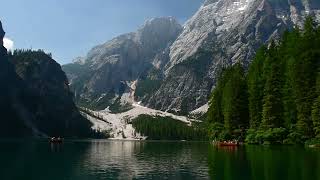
166	128
278	99
50	103
35	100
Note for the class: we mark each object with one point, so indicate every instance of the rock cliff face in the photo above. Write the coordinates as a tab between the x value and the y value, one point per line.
2	33
222	33
103	78
49	97
12	121
176	71
34	97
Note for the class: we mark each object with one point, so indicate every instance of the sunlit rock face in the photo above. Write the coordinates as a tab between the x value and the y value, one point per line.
221	33
175	68
215	17
108	70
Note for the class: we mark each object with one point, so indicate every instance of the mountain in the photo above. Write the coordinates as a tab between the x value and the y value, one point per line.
175	69
221	33
12	117
103	78
35	97
278	99
50	99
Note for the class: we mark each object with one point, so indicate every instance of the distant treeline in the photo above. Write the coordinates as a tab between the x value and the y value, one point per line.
166	128
278	99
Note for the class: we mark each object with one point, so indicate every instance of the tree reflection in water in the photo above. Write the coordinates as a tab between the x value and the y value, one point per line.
264	163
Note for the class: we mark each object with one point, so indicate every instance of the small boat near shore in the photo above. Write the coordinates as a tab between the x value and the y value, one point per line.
56	140
314	146
227	143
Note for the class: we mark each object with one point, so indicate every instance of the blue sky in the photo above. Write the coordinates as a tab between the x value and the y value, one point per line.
69	28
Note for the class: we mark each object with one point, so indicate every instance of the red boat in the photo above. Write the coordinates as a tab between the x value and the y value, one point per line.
229	143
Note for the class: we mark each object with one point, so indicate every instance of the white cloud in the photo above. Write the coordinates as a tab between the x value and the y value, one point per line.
8	44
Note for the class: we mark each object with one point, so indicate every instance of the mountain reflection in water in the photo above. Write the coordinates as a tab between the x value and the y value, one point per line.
103	159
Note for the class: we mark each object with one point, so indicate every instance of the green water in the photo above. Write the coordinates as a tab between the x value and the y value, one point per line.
91	160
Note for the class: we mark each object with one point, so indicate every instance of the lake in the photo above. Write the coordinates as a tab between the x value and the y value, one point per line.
103	159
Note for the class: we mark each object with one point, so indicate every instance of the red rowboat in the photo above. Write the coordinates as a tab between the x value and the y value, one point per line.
228	143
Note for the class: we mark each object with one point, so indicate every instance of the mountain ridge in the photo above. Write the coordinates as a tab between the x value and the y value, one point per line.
231	31
116	64
179	78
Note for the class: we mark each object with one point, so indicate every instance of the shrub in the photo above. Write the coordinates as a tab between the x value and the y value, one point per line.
251	137
225	135
275	135
270	136
215	130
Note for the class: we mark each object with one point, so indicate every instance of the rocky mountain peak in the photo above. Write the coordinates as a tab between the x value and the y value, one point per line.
208	2
2	33
78	60
117	63
214	18
180	65
158	33
219	18
155	34
160	22
221	33
160	28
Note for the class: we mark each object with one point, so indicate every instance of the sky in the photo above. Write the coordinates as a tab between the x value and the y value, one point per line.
70	28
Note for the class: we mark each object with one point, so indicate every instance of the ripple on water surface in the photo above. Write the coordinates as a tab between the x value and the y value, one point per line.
95	160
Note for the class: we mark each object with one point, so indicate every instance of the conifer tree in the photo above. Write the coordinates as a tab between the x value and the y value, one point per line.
316	110
272	99
305	79
215	113
289	51
235	99
255	88
283	90
289	105
305	92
